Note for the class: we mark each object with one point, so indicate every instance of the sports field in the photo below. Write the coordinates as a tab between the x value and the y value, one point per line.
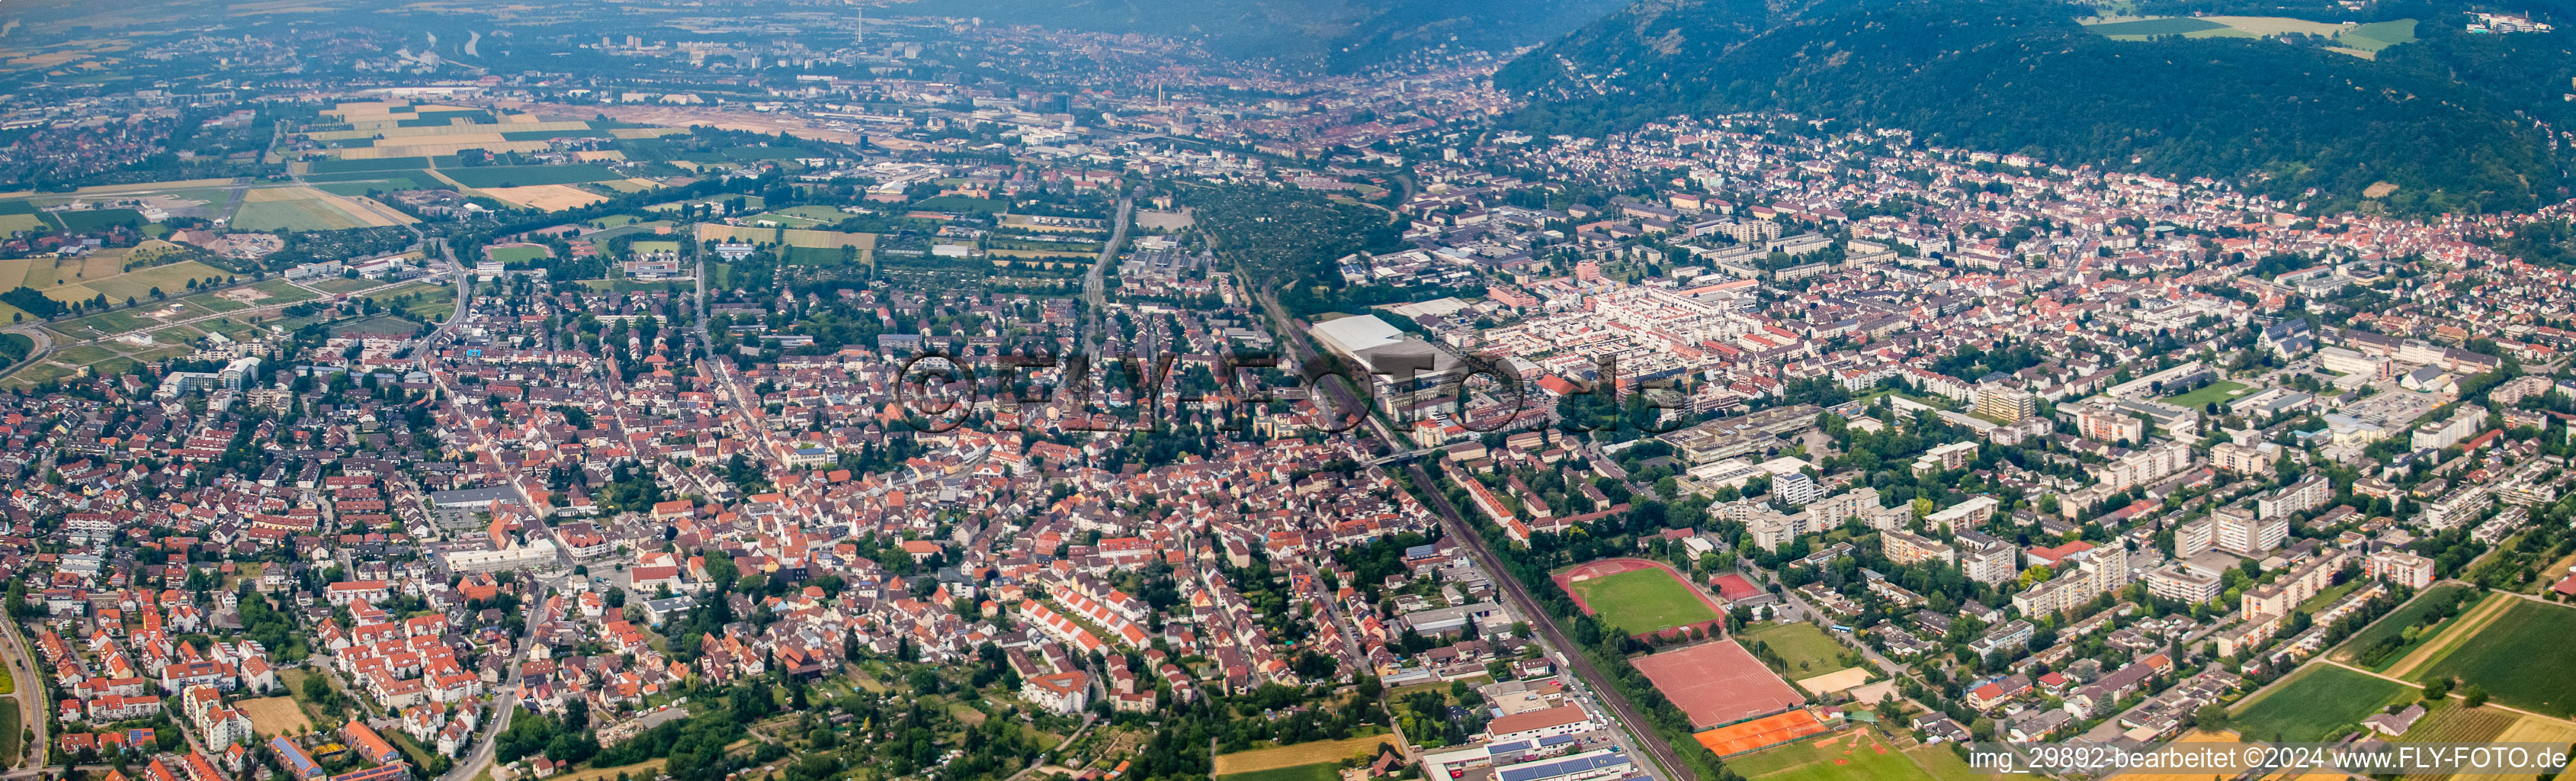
1638	601
1319	771
1842	756
1804	647
2316	703
2521	659
1744	736
1718	683
2221	391
515	253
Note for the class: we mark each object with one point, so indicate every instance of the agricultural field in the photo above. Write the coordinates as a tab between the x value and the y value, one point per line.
309	209
170	280
1802	646
1319	771
2475	618
2520	659
2393	626
2139	29
93	219
545	197
1296	755
2375	36
487	177
866	242
1838	756
2317	702
1643	600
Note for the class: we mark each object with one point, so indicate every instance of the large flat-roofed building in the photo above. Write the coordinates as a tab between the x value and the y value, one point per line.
1729	437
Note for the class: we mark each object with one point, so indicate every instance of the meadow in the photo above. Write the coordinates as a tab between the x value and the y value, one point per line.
1804	647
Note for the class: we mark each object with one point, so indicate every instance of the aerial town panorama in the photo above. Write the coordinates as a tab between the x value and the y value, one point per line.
1311	390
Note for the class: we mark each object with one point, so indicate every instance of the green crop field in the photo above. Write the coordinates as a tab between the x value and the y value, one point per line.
1320	771
2392	625
2173	26
2375	36
2521	659
305	215
1804	646
172	280
527	175
385	164
1640	601
2317	702
94	219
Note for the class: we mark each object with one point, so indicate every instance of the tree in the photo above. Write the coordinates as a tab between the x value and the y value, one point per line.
2212	716
2474	695
2437	688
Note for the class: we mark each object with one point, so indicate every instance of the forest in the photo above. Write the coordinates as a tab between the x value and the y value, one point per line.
2021	76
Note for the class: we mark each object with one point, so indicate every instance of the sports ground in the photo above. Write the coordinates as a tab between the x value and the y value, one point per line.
1718	683
1639	597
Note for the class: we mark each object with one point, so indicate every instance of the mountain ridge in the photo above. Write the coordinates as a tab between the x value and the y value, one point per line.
2021	76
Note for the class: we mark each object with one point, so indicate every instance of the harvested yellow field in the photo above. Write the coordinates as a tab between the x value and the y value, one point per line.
436	149
2539	729
375	212
647	132
42	273
47	60
312	209
599	155
437	131
276	716
548	197
1298	754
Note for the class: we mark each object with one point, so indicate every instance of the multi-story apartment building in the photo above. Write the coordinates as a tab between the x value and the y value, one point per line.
1905	548
2240	531
2307	494
2402	568
2178	581
2005	403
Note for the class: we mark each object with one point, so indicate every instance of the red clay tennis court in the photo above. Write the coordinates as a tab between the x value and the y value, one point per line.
1766	731
1718	683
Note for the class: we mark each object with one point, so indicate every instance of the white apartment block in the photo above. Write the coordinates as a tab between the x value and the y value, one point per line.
2402	568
